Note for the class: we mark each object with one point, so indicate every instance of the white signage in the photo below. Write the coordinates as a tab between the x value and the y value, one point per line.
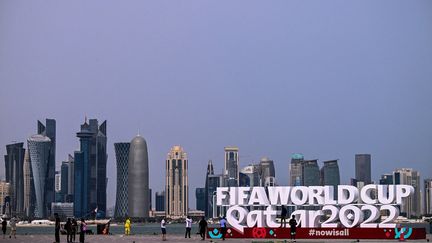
347	210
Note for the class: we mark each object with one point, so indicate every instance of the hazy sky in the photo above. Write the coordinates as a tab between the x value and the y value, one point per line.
328	79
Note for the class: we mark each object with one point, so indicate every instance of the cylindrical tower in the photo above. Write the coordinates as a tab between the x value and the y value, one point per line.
138	179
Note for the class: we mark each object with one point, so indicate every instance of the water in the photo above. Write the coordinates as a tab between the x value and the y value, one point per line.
137	229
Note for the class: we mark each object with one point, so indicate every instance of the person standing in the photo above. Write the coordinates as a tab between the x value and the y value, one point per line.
284	213
293	225
12	224
83	229
223	223
127	226
163	229
202	228
4	227
68	228
188	227
74	229
57	228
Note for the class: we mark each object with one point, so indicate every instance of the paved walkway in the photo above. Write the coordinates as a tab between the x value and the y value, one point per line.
173	238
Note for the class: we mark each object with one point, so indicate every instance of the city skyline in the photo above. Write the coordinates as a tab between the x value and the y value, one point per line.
273	80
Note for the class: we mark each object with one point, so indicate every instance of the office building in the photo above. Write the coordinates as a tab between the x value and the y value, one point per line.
28	186
64	210
208	195
39	147
5	199
49	130
177	186
386	179
244	180
267	172
427	201
138	179
14	163
57	187
410	205
213	182
231	166
295	169
310	173
330	175
200	199
90	170
160	201
363	168
253	173
122	158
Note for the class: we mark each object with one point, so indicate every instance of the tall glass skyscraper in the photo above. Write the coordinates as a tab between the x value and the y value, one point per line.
295	169
363	168
267	169
40	151
14	163
231	166
200	198
138	179
177	184
330	175
90	170
410	205
311	173
122	158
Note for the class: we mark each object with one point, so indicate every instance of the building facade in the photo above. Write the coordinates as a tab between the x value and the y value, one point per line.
267	172
253	172
330	175
200	199
5	207
39	147
138	179
363	168
310	173
427	201
410	205
28	185
160	201
90	170
122	159
231	166
295	170
177	184
14	165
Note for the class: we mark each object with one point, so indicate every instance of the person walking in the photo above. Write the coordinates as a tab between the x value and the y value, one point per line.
127	226
163	229
83	229
202	228
223	223
284	213
57	228
188	227
12	224
68	228
293	225
74	229
4	227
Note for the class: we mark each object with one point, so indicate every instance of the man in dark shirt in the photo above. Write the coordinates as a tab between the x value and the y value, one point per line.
202	228
284	213
293	225
57	228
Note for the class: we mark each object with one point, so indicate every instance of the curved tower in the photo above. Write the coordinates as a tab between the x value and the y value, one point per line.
122	157
138	179
39	149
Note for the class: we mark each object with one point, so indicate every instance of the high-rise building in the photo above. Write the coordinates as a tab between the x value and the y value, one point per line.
5	207
267	172
210	171
14	163
427	201
330	175
28	185
310	173
90	170
213	182
295	169
252	171
138	179
70	179
122	158
410	205
200	198
160	201
177	186
231	166
40	151
49	130
363	168
57	187
386	179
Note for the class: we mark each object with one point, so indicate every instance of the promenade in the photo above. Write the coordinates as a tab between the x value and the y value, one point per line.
156	238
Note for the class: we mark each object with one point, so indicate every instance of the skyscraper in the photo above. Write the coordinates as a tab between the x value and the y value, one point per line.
57	187
71	179
138	179
40	151
200	198
64	185
14	163
363	168
428	196
252	171
330	175
90	170
311	173
410	205
295	169
5	188
231	166
160	201
267	172
49	130
386	179
28	185
122	158
177	185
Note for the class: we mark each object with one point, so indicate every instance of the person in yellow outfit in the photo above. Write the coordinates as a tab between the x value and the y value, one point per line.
127	226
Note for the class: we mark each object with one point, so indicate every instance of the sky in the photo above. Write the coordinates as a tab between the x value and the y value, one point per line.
328	79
